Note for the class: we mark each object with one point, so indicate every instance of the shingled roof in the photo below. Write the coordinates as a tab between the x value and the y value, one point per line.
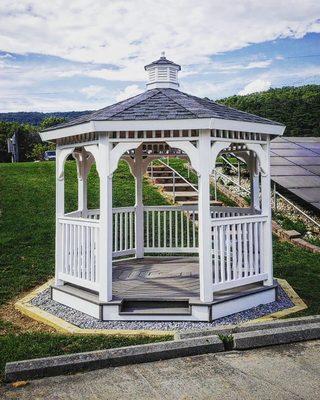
162	61
165	104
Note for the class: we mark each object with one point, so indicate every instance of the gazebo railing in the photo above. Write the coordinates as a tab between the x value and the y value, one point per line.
170	229
237	241
237	250
79	248
123	231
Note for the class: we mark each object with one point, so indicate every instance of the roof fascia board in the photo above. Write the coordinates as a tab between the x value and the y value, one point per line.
169	124
67	131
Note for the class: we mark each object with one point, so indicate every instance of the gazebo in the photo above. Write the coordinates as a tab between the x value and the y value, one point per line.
195	262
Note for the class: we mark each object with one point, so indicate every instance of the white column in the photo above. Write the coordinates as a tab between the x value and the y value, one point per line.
204	220
82	169
105	223
59	213
254	182
266	210
139	226
83	193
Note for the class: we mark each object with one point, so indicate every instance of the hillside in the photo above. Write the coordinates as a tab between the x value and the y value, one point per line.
35	118
296	107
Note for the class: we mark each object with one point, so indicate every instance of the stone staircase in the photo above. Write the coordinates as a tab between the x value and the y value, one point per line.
174	186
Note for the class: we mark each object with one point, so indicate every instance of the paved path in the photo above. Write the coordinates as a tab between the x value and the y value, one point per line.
281	372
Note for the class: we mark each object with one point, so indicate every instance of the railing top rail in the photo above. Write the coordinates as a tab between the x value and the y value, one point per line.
191	207
238	220
179	175
79	220
123	209
231	209
93	211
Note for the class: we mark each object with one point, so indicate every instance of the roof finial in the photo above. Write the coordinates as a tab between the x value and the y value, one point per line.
163	54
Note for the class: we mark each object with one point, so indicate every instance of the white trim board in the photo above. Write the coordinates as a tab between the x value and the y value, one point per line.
169	124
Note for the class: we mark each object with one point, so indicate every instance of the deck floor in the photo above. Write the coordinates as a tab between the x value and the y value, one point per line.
152	277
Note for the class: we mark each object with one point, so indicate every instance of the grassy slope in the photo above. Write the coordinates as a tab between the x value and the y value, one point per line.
27	251
27	248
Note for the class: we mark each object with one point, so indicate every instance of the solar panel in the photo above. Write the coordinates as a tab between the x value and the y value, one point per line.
313	168
295	165
312	195
284	170
298	152
304	160
280	161
298	181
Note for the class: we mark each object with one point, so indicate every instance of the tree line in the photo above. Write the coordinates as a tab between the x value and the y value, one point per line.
296	107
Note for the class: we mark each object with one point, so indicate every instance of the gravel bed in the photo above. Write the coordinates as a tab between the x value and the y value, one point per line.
82	320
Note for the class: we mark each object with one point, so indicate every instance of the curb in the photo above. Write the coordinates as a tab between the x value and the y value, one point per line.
52	366
209	341
274	336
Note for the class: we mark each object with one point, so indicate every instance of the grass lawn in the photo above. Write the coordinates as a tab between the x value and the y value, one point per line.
27	252
27	248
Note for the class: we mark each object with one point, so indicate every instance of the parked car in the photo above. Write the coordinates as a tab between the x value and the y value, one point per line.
49	155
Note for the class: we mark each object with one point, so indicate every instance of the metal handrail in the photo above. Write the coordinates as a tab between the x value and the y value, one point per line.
276	193
179	175
231	180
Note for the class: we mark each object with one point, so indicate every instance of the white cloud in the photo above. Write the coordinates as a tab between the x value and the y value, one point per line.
259	64
92	90
258	85
129	91
129	34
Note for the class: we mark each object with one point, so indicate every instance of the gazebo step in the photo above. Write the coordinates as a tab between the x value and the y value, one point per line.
162	173
180	186
195	202
166	179
154	307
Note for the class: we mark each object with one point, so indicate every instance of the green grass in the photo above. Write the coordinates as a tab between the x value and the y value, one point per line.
27	221
289	224
301	269
27	252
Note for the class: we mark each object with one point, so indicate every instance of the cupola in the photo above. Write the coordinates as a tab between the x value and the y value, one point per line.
162	73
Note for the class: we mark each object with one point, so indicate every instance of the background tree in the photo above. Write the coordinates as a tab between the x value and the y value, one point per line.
296	107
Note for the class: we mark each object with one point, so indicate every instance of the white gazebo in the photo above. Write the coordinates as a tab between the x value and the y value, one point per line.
195	262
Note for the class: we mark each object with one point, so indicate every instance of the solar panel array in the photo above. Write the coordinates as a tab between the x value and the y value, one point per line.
295	165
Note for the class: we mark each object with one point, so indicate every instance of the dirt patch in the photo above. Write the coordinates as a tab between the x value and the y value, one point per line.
19	321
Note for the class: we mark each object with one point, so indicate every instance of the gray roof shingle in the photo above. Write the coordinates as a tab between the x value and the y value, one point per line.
162	104
162	61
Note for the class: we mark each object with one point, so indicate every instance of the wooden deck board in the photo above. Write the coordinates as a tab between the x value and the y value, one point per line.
152	277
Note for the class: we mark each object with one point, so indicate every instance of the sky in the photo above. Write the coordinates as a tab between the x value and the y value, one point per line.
84	55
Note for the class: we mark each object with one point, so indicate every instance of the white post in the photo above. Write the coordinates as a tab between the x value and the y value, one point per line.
254	182
266	210
105	223
82	167
139	225
204	220
59	213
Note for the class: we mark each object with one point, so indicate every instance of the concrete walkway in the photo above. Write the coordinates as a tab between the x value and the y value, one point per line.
281	372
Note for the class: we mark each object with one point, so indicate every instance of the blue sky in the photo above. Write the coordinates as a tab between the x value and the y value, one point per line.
88	54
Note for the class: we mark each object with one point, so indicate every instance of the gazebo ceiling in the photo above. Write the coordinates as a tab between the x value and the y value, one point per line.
163	106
